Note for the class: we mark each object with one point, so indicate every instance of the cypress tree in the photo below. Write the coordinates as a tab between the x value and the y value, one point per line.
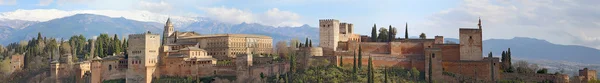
116	45
390	34
370	70
385	73
39	37
406	31
310	43
341	61
306	42
359	57
509	55
374	33
354	64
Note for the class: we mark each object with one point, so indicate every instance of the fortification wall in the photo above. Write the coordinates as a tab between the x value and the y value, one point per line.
451	52
478	69
533	77
381	60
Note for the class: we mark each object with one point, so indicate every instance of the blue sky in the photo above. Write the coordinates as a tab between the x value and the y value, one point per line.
569	22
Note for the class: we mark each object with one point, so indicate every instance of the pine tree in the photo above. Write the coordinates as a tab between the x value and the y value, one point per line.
374	33
359	58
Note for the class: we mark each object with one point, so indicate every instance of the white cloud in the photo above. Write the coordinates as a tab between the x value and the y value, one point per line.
158	7
558	21
277	17
229	15
272	17
8	2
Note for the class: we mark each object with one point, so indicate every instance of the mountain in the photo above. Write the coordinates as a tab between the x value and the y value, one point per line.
537	49
277	33
91	25
88	25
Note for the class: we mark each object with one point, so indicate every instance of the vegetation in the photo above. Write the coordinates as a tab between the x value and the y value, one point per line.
383	35
422	36
374	33
39	51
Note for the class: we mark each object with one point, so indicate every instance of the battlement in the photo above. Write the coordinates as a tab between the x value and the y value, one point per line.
142	34
328	20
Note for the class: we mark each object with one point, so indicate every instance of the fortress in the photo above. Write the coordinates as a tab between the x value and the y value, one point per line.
244	56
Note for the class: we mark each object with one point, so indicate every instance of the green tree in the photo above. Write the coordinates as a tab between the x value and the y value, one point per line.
354	64
116	45
310	43
39	37
543	71
341	61
385	75
370	71
374	33
262	76
415	73
406	31
383	35
306	42
359	57
422	36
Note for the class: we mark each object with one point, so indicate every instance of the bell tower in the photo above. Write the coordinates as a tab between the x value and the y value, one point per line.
168	31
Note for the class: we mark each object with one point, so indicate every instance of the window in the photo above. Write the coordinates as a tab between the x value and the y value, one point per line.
109	67
432	55
470	37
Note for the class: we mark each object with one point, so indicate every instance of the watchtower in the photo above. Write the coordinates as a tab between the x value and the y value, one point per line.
143	55
329	30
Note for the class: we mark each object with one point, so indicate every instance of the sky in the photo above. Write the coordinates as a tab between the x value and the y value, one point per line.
567	22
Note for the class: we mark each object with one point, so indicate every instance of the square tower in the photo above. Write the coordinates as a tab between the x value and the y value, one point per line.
470	44
329	30
143	56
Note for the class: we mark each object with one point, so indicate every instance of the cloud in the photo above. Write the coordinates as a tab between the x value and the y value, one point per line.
272	17
229	15
159	7
45	2
577	21
277	17
8	2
